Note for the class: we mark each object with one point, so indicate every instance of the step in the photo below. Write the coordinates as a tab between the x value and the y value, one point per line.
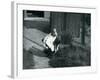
29	44
33	37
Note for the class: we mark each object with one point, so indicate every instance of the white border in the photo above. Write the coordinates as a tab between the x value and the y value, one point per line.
17	38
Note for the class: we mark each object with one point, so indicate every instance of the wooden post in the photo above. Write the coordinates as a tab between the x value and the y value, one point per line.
57	21
73	24
83	30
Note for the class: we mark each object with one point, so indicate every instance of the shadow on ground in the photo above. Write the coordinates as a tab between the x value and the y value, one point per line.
28	62
71	57
35	59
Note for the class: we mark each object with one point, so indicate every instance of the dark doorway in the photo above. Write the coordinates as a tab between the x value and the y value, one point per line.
35	13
